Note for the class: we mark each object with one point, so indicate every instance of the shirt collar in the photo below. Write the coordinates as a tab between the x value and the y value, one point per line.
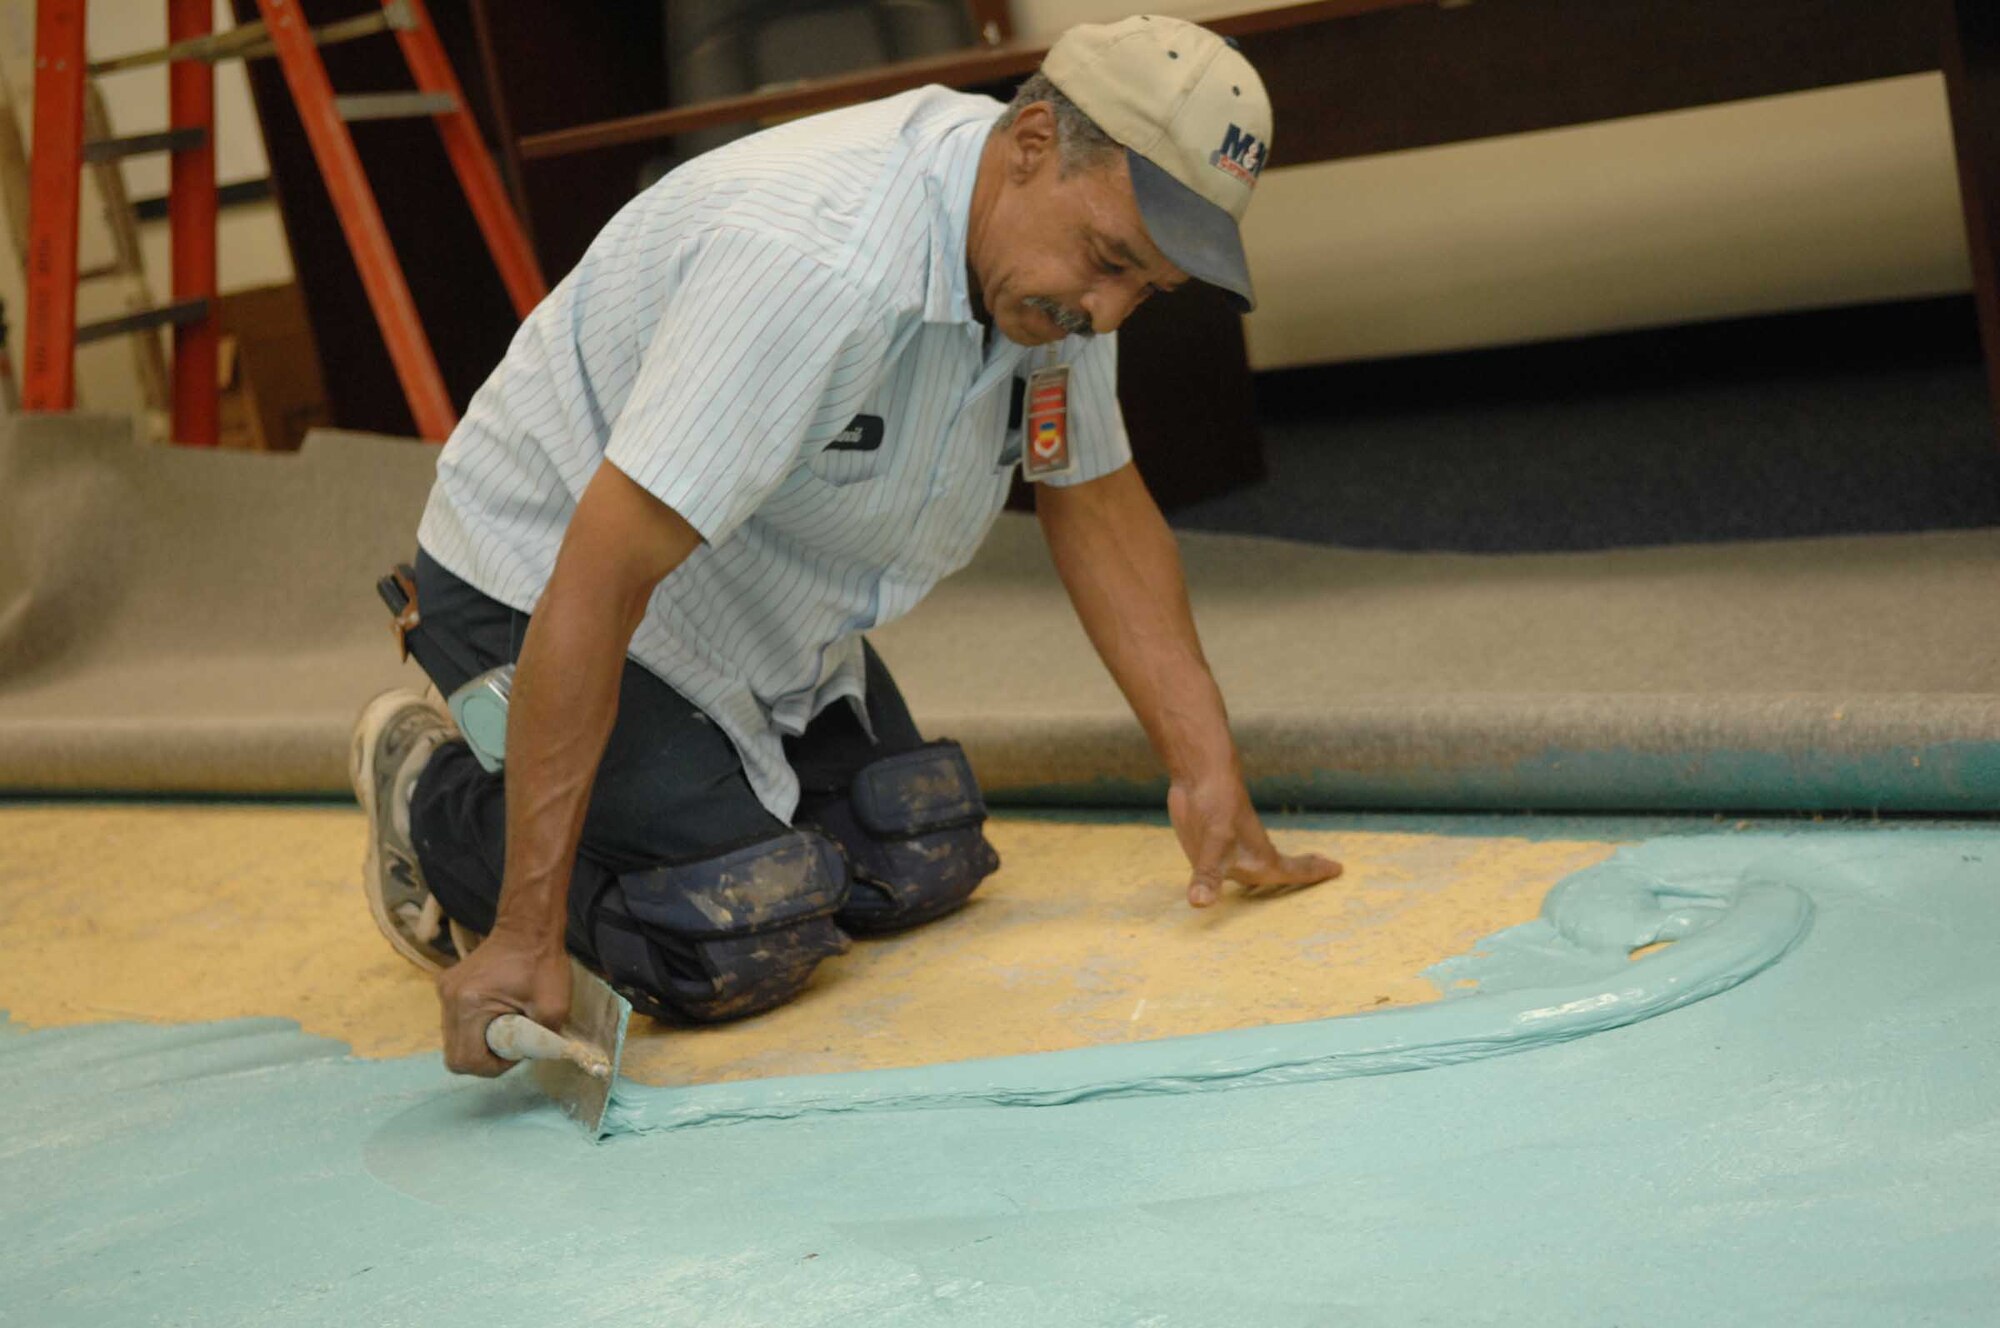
948	182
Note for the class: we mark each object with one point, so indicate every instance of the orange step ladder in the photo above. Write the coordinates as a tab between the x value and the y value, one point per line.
61	66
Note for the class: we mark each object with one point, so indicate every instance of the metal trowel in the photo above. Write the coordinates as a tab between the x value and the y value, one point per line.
578	1065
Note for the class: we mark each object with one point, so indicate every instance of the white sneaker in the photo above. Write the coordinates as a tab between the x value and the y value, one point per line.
393	741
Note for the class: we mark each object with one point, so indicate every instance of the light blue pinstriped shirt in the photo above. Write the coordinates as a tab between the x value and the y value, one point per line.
723	330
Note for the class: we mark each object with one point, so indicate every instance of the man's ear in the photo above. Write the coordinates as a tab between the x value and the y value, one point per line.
1032	141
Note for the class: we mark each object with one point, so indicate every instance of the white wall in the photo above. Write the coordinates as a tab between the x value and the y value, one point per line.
1838	196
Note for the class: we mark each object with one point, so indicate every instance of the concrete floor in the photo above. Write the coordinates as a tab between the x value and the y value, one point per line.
1818	1145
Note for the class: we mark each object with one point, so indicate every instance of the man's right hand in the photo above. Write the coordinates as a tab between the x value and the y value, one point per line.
503	975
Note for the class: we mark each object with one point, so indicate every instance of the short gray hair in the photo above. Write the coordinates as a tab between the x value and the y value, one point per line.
1081	143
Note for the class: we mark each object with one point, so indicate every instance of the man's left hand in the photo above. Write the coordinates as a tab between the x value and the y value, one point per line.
1223	839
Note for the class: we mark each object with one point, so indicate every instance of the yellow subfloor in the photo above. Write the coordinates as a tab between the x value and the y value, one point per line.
184	913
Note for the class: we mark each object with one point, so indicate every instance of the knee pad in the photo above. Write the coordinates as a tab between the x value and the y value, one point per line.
910	826
725	937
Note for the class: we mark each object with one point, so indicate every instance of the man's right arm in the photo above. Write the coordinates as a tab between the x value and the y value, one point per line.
621	543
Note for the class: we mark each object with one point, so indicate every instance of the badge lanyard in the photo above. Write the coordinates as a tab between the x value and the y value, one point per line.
1045	450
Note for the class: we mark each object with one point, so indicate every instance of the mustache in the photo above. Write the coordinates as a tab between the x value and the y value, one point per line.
1073	322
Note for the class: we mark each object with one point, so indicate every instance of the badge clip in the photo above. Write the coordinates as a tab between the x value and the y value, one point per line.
1045	450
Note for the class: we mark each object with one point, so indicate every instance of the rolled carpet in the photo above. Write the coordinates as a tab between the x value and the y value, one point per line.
176	620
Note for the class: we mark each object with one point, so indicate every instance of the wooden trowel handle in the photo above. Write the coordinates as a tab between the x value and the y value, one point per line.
515	1037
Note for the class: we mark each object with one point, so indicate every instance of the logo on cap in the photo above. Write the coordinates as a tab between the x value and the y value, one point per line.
1240	154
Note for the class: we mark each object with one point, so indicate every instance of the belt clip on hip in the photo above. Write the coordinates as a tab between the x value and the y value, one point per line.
480	706
1046	452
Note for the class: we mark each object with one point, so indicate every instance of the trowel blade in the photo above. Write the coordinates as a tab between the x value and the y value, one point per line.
597	1017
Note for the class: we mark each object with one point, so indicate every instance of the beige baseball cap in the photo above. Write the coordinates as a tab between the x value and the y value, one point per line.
1195	122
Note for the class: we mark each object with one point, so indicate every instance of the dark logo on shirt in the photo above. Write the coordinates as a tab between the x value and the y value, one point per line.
862	434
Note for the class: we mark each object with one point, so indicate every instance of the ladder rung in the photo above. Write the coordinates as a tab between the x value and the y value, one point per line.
187	311
103	270
168	140
394	105
247	41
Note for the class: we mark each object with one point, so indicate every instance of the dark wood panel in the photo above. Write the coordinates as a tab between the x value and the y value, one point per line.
1352	77
552	63
958	69
1415	76
458	293
1972	77
992	19
1007	61
1184	385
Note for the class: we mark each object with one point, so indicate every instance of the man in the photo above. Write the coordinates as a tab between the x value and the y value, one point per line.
768	411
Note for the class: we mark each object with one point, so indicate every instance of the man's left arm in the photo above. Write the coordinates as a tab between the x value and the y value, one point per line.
1119	562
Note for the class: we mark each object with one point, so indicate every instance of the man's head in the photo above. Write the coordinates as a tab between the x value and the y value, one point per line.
1121	169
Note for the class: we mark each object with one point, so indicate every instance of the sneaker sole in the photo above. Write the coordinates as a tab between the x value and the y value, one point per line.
361	770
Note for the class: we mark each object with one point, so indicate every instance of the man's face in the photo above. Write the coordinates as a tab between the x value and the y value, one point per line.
1062	254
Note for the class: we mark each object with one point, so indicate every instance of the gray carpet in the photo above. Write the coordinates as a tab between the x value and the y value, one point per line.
1868	420
1811	674
174	621
181	620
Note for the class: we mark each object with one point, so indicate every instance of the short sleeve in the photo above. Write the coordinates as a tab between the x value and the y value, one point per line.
760	350
1096	424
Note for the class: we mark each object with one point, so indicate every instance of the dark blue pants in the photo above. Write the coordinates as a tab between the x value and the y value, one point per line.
670	789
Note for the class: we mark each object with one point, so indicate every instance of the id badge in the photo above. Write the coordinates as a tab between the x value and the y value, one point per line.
1045	433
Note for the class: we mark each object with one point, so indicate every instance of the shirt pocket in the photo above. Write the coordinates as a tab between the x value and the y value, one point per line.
841	469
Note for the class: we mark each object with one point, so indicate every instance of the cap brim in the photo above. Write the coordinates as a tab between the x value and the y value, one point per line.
1198	237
